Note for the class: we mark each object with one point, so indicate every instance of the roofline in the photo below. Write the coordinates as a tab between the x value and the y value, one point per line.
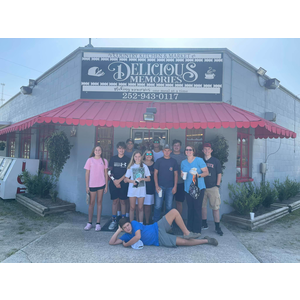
128	49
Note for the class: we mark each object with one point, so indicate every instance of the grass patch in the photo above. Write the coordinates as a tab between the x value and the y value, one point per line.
11	252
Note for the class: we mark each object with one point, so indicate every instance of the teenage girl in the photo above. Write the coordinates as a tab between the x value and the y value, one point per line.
96	179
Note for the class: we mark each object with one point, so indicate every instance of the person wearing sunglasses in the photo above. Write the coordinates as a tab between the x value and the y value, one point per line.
196	171
157	152
148	160
129	148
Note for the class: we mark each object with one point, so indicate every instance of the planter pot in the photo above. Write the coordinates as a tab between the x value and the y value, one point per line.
252	216
41	209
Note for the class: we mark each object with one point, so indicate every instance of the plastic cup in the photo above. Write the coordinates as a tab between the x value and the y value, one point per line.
252	216
160	193
184	174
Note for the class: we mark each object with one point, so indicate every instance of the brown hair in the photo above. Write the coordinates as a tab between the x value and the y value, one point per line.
93	153
132	161
144	155
194	150
123	221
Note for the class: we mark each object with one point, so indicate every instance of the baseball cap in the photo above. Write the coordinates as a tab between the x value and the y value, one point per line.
129	140
156	139
166	146
207	145
138	245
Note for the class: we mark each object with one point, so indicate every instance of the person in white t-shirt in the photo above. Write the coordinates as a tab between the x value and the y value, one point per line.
137	173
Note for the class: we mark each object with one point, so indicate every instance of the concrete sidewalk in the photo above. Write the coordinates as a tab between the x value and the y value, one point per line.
69	243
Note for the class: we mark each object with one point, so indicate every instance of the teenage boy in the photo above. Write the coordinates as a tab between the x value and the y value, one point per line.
165	179
179	157
129	148
157	153
212	183
118	188
156	234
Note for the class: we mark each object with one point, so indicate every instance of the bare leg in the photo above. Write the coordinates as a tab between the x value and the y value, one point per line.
216	215
141	209
91	206
137	212
173	215
147	213
192	242
123	206
99	204
127	206
119	207
204	213
132	208
115	206
179	207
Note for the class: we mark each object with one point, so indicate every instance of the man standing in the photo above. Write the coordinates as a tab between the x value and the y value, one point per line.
212	183
165	179
179	157
129	147
157	153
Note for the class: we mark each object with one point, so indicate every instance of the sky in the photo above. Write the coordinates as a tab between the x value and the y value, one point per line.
22	59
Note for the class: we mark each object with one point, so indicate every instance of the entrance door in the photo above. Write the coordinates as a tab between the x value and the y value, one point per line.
143	137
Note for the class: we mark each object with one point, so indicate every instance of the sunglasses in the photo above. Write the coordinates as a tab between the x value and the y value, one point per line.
188	149
148	153
156	142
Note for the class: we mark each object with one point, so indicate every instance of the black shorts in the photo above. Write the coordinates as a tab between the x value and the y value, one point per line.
180	195
120	193
95	189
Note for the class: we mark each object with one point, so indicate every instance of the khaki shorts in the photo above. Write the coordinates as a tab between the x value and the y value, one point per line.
214	198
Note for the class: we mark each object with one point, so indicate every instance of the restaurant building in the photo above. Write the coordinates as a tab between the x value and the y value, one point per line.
100	96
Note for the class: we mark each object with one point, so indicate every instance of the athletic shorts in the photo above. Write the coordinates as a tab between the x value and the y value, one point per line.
164	238
213	195
120	193
95	189
180	195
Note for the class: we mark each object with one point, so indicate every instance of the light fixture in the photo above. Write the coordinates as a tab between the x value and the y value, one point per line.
272	83
261	71
26	90
149	115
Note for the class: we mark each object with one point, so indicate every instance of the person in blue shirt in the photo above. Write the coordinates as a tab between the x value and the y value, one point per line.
157	233
196	171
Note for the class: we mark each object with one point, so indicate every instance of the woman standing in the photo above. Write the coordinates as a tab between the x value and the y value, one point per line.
137	173
150	185
196	171
96	179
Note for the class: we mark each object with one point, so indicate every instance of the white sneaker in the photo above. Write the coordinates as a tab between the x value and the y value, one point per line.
112	225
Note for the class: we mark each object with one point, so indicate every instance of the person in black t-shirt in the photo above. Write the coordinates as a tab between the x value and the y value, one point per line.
117	168
212	183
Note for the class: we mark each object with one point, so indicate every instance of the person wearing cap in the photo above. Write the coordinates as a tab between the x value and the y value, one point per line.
212	183
157	153
165	179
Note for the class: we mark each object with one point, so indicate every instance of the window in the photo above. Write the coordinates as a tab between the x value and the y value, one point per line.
104	138
242	160
195	137
11	144
44	132
25	140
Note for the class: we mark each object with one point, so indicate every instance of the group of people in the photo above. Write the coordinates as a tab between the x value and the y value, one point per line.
154	177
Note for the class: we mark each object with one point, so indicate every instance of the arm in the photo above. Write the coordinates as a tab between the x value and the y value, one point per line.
136	237
156	181
106	181
87	177
219	178
205	172
114	239
174	190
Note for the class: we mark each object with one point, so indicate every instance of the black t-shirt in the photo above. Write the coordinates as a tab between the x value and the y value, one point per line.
150	185
118	166
214	168
166	168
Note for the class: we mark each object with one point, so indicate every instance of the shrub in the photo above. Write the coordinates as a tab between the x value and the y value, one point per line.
287	189
40	184
245	197
220	150
269	195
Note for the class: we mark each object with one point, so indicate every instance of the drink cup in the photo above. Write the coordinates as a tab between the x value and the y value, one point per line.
160	193
184	174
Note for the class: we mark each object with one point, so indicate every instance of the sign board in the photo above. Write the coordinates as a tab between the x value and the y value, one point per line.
152	76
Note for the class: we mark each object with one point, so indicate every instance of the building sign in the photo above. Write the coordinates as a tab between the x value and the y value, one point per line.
152	76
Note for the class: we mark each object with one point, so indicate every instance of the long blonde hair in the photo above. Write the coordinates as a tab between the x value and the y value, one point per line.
93	153
132	161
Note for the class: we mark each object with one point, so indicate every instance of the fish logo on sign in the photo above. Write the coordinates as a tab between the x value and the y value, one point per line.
94	71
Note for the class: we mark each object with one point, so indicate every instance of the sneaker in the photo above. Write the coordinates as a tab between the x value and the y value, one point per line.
98	227
211	241
112	225
88	226
191	235
219	231
204	226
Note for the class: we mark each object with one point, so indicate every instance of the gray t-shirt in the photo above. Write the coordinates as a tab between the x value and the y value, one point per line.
157	155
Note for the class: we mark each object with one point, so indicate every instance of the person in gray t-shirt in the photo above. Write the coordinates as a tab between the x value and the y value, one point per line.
179	157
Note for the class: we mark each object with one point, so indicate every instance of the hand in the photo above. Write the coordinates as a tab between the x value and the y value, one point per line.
120	229
105	189
174	190
117	183
157	189
124	244
87	190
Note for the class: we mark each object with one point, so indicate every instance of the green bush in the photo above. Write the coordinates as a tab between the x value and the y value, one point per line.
220	150
40	184
269	195
287	189
245	197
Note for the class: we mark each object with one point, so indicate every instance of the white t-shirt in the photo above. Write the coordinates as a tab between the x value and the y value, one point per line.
133	173
157	155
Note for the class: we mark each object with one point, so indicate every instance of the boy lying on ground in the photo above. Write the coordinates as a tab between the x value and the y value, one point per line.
156	234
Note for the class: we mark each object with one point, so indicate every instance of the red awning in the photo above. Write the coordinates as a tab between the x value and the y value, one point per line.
169	115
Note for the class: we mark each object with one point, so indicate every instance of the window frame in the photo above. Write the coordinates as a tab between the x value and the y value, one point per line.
25	136
11	140
111	138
